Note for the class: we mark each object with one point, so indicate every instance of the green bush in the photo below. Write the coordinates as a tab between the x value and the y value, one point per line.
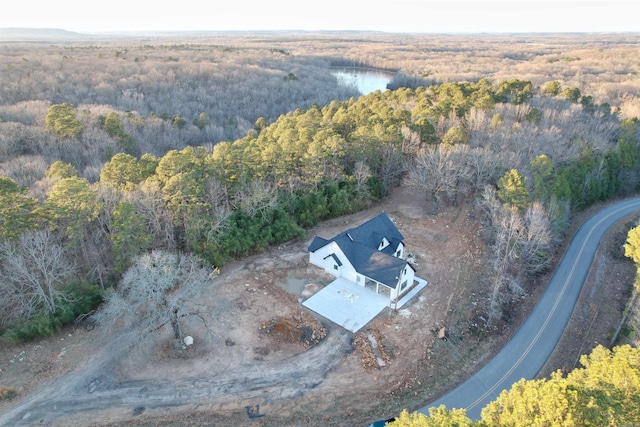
82	297
40	325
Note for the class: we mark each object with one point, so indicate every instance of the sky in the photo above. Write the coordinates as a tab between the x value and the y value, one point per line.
423	16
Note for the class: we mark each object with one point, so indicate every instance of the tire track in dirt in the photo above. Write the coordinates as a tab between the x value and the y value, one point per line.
94	388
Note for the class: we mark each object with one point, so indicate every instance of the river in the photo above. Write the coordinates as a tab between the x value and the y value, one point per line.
366	80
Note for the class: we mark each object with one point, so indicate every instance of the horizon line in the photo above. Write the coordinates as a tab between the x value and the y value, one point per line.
293	30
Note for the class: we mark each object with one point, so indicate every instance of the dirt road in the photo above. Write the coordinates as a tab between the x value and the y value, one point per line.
95	388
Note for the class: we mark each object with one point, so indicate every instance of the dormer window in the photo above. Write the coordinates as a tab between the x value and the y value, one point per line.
383	244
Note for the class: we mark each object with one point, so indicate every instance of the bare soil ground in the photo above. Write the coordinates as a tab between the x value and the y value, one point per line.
263	360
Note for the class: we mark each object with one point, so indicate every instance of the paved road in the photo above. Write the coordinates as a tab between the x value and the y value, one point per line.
528	350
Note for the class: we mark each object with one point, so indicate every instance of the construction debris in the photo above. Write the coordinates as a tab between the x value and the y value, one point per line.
302	329
370	346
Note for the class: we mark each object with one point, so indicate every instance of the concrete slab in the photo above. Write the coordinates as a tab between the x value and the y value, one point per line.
352	306
347	304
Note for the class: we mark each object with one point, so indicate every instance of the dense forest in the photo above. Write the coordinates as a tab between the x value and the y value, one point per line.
221	147
111	150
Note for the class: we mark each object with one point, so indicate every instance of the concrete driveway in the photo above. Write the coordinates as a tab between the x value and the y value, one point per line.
347	304
352	306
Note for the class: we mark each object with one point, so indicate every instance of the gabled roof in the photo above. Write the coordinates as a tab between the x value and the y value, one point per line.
317	243
373	231
374	264
360	246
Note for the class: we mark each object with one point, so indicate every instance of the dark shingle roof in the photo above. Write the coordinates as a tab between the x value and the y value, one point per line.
371	232
317	243
360	246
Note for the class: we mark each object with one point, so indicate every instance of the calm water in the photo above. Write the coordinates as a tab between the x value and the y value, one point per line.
365	80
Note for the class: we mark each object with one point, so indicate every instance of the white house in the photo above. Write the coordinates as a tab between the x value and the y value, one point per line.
370	255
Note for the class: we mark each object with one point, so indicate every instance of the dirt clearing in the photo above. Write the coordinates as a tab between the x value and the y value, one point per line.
263	360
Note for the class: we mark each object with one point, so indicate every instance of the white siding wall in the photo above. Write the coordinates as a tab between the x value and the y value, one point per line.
348	272
408	275
401	249
318	258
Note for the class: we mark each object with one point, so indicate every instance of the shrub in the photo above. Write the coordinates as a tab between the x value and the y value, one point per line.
82	297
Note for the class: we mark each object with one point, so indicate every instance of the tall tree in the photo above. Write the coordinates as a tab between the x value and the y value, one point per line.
16	209
552	88
203	120
114	127
33	271
59	170
542	171
572	94
70	206
507	228
536	240
438	417
436	170
455	135
605	391
62	119
128	235
632	245
122	172
160	289
533	403
159	223
514	90
512	189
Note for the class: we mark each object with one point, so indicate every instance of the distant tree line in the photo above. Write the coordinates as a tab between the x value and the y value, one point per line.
143	98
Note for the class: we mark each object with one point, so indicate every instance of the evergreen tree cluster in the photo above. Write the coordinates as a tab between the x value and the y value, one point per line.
265	188
605	391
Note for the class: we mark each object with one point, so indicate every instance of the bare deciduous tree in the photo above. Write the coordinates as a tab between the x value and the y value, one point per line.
257	197
520	242
32	272
361	173
159	289
437	170
485	165
536	240
412	143
149	203
508	235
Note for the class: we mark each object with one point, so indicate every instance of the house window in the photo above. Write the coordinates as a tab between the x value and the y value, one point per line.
358	279
399	253
403	286
335	267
